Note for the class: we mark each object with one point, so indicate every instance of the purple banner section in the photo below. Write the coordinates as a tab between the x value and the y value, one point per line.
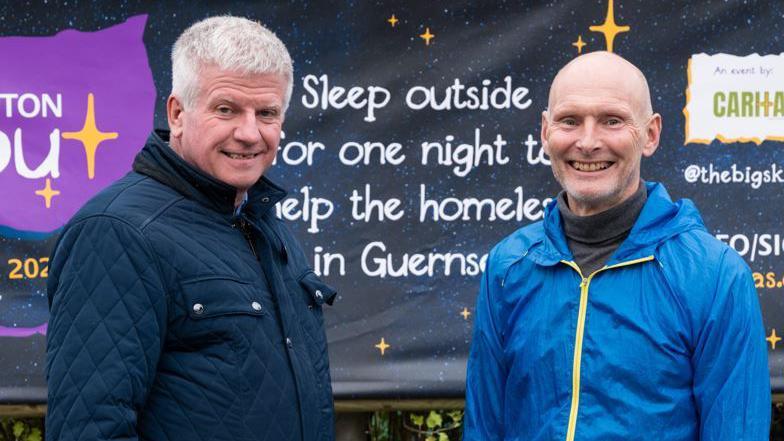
75	108
22	332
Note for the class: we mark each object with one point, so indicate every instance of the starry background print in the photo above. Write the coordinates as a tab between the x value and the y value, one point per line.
408	337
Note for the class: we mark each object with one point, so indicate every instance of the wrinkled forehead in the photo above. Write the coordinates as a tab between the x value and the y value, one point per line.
600	77
212	80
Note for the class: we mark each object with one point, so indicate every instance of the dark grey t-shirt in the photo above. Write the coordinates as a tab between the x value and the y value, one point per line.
593	239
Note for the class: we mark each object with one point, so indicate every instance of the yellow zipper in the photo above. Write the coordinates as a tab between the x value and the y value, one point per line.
578	338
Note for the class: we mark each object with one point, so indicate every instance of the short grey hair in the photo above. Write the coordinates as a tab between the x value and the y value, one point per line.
231	43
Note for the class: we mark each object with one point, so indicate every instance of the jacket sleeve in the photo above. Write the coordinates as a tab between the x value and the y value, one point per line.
486	376
731	378
106	326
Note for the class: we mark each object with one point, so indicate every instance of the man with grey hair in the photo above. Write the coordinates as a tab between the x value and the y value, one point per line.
181	307
618	316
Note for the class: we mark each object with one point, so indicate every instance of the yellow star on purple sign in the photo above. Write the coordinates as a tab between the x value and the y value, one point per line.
90	136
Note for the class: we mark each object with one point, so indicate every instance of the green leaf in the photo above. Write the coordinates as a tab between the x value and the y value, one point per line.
417	419
35	435
434	420
443	437
456	415
19	428
430	438
379	426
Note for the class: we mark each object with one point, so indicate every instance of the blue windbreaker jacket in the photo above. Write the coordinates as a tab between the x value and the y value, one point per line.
665	342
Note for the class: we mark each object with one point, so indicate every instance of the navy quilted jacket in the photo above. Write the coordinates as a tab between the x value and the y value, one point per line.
174	319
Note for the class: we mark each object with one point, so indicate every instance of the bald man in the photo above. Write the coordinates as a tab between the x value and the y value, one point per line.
618	316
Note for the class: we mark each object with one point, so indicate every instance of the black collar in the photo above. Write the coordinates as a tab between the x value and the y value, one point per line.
612	224
158	161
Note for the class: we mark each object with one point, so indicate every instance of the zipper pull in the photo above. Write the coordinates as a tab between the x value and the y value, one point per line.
246	230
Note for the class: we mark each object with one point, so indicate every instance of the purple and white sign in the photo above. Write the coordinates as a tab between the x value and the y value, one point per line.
75	108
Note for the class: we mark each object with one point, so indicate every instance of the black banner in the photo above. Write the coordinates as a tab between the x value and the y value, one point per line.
411	147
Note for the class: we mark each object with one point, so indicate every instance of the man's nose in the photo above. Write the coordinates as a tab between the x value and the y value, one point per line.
588	140
247	131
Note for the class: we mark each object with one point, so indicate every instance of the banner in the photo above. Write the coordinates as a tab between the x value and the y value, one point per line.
410	148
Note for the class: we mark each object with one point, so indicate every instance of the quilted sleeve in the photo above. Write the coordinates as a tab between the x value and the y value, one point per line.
486	376
731	378
106	328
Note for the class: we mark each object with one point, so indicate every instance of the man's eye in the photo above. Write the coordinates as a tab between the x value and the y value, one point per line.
613	121
267	113
569	122
224	110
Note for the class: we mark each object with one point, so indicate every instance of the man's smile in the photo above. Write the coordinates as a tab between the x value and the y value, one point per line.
240	155
590	166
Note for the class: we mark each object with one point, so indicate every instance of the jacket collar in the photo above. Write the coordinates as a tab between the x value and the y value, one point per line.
554	247
158	161
659	220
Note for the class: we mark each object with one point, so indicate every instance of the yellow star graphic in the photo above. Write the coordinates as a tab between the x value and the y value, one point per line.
465	313
579	44
47	193
90	136
382	346
609	28
427	36
773	339
393	20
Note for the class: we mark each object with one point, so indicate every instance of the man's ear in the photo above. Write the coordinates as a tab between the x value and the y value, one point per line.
543	134
653	134
174	113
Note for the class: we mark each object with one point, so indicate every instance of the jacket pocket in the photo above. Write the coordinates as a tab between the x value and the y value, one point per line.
222	310
220	296
224	316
